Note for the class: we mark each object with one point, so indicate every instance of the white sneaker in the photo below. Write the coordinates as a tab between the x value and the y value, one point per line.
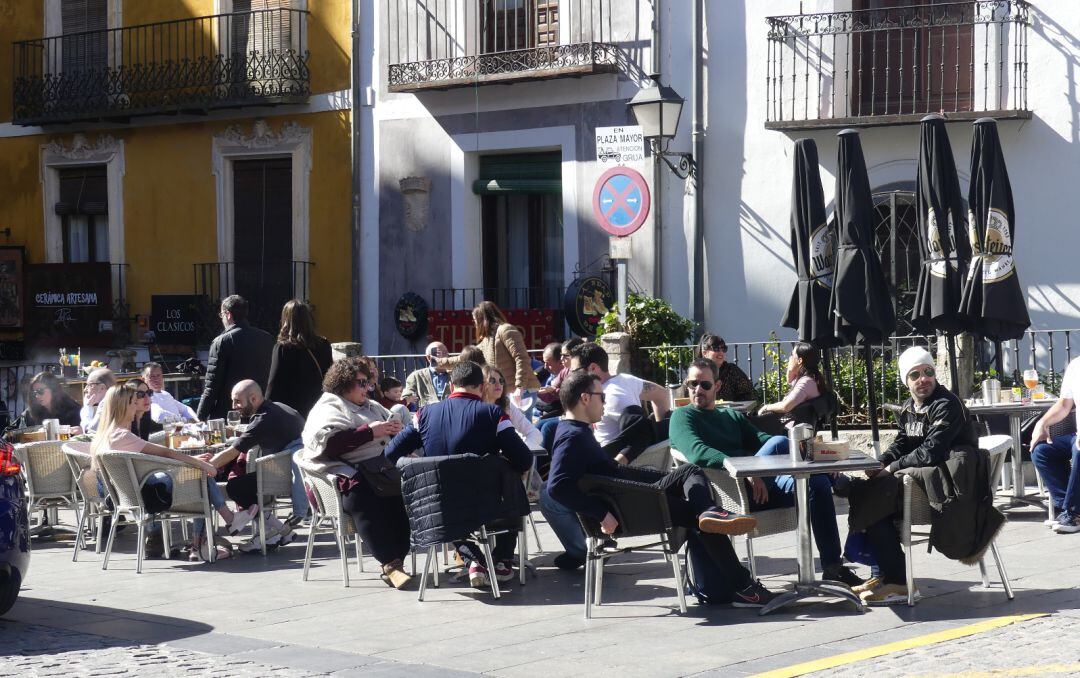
256	544
1067	523
242	519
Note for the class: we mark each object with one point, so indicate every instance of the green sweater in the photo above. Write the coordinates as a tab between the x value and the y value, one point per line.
707	437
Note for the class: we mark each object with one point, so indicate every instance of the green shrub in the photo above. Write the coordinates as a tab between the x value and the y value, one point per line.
652	322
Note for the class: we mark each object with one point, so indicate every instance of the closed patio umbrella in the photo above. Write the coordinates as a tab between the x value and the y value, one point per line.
813	250
861	305
942	238
993	303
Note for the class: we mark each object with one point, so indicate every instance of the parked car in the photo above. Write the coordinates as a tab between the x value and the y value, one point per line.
14	528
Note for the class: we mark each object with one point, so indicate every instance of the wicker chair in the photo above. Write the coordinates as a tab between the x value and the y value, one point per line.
94	509
49	483
917	512
327	506
731	495
656	456
1063	427
126	472
273	479
641	510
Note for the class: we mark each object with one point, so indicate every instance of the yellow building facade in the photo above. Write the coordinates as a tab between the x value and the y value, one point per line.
215	132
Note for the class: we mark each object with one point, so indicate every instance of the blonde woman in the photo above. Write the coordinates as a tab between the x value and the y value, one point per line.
118	410
495	393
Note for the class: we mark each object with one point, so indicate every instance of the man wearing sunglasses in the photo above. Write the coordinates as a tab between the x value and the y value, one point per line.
936	439
97	383
706	435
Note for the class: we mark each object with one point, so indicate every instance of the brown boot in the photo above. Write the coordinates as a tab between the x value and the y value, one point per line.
394	575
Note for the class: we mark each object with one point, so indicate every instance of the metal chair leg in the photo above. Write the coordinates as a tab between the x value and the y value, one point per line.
80	537
982	572
485	544
906	538
429	561
315	520
590	582
750	557
100	528
523	551
536	534
166	537
112	538
262	526
359	553
140	545
598	590
339	536
676	568
1001	570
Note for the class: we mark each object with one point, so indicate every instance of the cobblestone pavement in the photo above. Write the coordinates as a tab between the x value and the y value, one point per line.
1042	646
33	650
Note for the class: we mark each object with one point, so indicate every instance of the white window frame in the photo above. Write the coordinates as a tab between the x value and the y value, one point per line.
292	141
56	155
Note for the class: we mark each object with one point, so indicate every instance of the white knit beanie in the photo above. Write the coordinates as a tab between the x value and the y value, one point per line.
912	358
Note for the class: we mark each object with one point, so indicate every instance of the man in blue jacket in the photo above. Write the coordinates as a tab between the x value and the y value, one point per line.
463	424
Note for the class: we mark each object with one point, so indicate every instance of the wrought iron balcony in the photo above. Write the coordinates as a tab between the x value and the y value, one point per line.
439	44
894	65
266	284
183	66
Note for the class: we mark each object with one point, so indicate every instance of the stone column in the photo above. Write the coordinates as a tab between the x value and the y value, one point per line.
617	345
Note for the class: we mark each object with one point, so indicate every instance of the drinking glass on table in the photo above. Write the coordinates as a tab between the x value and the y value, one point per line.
232	418
1031	378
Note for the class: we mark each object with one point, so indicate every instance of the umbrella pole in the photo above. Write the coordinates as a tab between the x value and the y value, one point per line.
951	345
826	354
874	436
999	359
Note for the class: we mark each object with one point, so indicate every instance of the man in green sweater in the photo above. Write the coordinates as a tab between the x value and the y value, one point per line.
706	434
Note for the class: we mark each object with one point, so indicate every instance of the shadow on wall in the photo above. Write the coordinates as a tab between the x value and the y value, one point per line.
1069	46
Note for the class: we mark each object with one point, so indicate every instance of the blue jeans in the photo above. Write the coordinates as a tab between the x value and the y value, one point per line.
217	501
298	495
564	523
1052	460
822	512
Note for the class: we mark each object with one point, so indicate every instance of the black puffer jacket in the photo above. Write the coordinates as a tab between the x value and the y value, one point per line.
928	433
449	497
240	352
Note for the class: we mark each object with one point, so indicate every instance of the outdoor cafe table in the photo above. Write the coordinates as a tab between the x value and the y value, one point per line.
781	465
1017	413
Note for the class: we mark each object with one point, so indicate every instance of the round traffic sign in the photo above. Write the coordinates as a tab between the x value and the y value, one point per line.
621	201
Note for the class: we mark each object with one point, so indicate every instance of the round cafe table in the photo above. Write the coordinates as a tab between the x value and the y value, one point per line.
1017	413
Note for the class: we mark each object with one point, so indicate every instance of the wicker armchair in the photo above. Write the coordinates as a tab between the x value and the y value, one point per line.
93	509
656	456
1063	427
917	513
327	506
159	438
126	472
731	495
273	479
49	483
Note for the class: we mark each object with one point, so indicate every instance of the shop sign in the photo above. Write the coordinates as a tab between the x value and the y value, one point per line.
587	300
175	319
69	304
456	329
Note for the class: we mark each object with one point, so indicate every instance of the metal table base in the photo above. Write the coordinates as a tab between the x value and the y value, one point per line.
814	589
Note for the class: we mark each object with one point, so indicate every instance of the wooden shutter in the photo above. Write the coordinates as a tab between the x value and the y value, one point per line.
83	50
255	30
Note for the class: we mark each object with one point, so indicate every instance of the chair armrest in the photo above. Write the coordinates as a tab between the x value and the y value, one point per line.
730	492
640	508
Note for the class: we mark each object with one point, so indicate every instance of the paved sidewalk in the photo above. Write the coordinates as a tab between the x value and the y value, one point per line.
259	616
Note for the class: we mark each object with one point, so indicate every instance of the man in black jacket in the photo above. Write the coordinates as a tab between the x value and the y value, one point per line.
933	423
240	352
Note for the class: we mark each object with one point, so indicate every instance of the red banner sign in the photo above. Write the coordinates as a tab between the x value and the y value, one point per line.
456	330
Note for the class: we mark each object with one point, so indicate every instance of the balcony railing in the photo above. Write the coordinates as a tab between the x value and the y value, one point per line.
450	298
266	285
183	66
894	65
439	44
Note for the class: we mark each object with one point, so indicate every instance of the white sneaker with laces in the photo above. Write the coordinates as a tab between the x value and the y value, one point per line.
1067	523
242	519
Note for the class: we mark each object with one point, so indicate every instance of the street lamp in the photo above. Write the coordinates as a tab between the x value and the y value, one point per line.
657	109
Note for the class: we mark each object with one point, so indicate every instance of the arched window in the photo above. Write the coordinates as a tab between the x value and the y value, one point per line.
896	235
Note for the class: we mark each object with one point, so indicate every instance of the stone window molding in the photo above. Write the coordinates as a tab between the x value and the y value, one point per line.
56	155
235	143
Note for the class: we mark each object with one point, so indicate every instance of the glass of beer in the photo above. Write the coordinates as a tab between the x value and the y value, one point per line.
216	431
65	432
1031	378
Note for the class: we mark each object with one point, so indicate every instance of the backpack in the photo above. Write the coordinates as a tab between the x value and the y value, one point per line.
157	492
704	580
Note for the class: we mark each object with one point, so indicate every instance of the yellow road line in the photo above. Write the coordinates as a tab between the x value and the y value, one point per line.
1034	670
898	646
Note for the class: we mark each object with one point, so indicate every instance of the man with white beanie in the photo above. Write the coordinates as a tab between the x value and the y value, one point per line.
933	423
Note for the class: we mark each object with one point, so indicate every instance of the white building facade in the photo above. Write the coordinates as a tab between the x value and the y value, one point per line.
479	160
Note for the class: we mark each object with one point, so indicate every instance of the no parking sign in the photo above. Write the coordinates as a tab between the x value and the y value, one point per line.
621	201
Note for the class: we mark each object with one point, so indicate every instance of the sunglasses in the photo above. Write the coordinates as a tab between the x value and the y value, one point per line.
38	392
716	347
603	396
915	374
362	383
694	383
496	380
142	394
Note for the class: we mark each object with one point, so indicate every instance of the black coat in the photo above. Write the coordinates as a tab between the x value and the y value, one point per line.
449	497
240	352
296	374
66	410
927	434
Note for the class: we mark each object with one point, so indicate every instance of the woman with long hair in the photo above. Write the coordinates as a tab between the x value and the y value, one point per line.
300	359
804	379
504	348
495	393
48	400
143	425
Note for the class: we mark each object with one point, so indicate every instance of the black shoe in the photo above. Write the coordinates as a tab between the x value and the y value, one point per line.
754	595
294	520
154	545
843	575
565	561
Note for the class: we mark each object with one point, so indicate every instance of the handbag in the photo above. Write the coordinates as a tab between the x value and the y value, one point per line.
382	476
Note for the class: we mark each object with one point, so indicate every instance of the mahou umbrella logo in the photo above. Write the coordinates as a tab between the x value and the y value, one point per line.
995	252
823	255
938	260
